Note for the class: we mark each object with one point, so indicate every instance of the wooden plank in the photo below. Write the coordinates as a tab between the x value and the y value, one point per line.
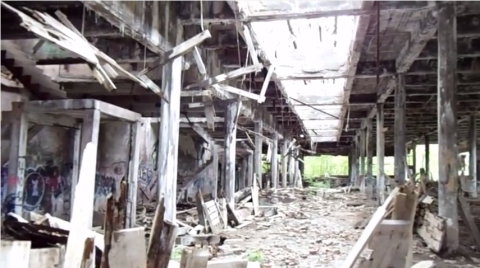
128	249
162	239
198	59
109	227
194	258
15	254
467	217
238	91
250	170
447	122
223	77
133	175
46	257
432	231
231	114
213	217
82	214
251	47
366	235
266	82
18	153
178	51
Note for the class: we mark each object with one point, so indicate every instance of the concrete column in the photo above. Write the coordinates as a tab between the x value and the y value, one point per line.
447	122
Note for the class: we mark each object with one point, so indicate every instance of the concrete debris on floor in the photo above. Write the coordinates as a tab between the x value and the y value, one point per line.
270	228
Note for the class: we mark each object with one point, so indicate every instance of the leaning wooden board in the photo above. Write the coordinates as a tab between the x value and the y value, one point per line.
213	217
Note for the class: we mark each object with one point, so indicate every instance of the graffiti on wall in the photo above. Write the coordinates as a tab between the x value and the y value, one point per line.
46	190
107	181
147	176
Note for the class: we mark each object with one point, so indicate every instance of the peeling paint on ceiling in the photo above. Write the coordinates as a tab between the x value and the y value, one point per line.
315	47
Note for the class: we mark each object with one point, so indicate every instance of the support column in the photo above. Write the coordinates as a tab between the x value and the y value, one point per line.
274	161
257	162
16	162
380	155
243	171
399	132
447	122
356	159
472	165
369	144
167	162
250	170
230	152
133	175
362	152
414	158
90	131
427	155
215	170
291	169
284	163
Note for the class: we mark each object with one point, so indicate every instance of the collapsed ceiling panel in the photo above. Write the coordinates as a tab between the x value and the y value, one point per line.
311	57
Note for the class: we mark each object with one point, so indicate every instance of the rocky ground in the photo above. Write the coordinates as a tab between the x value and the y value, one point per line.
310	230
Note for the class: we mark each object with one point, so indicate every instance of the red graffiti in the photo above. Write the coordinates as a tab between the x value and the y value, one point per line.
12	181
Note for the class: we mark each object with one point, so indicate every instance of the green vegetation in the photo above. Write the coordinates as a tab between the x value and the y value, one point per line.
255	256
317	166
177	253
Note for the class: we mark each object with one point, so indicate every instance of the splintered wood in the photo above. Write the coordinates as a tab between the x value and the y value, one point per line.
389	233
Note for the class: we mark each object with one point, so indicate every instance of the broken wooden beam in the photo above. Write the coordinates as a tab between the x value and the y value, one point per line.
178	51
223	77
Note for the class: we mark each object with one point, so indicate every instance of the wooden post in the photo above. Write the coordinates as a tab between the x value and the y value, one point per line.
243	178
350	164
133	175
257	162
362	151
250	170
77	135
414	158
357	161
274	162
472	144
399	132
16	162
369	145
380	155
215	169
291	169
168	137
427	155
167	161
230	152
90	130
284	163
447	122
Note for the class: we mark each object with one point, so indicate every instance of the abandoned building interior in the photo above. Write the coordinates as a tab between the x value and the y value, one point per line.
135	131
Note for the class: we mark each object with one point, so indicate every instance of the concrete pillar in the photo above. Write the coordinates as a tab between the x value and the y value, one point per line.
400	132
472	146
380	155
447	122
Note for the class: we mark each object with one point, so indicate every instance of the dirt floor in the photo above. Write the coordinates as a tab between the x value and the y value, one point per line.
309	230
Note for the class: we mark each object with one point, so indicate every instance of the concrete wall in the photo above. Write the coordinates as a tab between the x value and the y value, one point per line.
49	165
48	179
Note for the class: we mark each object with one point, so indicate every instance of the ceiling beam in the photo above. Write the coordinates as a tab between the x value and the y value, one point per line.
425	30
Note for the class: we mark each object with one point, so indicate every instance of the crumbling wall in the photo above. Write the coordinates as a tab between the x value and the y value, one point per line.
48	174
